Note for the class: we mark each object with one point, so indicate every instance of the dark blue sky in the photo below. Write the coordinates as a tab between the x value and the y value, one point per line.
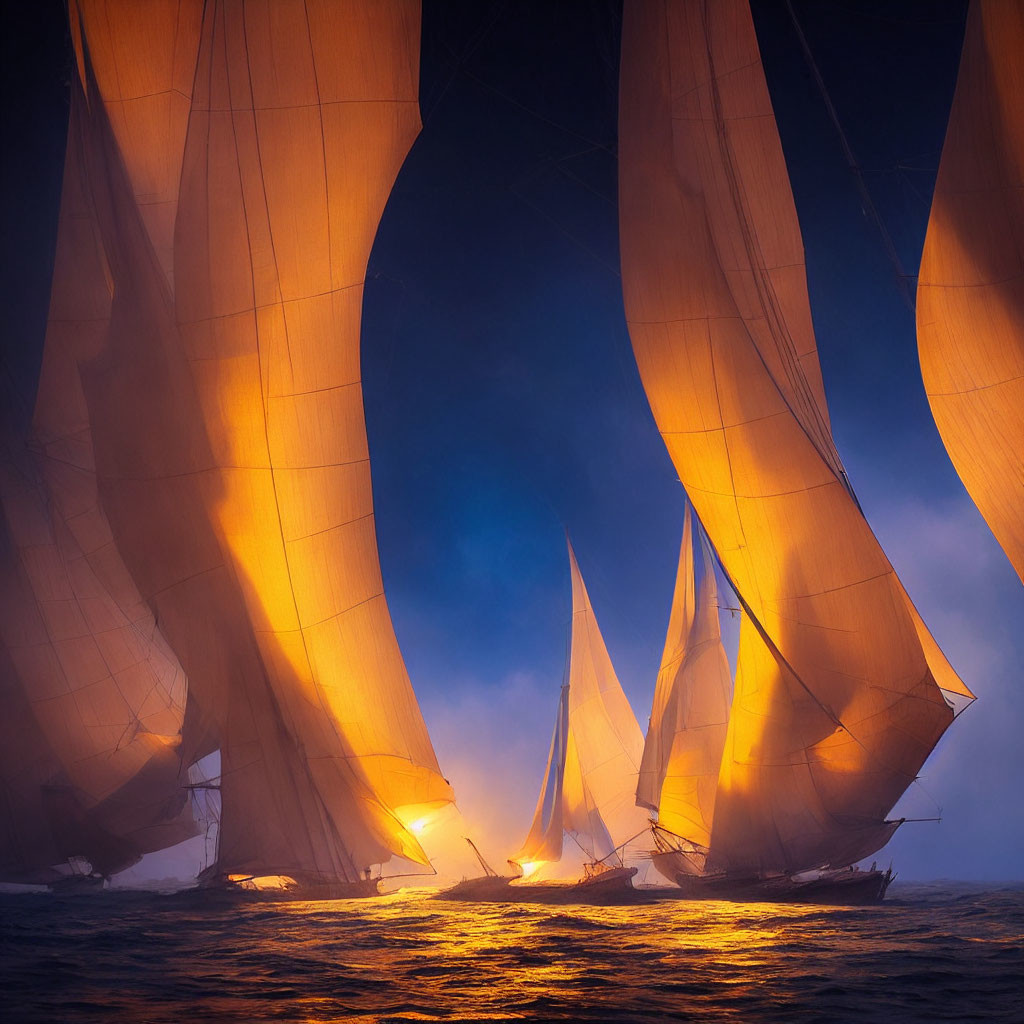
503	403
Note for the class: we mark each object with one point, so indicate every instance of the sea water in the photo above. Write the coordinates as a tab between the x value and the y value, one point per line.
937	952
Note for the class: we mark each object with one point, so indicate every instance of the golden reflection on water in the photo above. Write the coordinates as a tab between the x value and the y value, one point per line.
506	961
406	957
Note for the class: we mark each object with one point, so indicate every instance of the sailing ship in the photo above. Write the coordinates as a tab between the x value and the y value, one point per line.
683	754
840	691
589	781
200	420
969	290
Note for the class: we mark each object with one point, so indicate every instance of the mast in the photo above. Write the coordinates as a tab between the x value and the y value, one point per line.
971	284
683	749
835	706
226	410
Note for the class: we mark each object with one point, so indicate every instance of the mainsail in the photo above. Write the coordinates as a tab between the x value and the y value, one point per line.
590	778
970	291
225	405
683	749
836	704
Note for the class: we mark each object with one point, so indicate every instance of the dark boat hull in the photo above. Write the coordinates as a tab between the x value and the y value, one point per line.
848	888
77	884
608	887
233	892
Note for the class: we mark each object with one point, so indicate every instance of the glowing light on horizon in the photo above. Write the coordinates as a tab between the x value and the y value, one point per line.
530	866
263	882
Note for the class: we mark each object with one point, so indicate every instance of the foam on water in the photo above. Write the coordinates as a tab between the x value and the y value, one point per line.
943	952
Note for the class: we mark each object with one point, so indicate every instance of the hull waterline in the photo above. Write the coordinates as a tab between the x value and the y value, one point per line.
222	891
846	888
608	887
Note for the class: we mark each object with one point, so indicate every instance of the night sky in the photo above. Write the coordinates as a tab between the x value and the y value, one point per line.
504	406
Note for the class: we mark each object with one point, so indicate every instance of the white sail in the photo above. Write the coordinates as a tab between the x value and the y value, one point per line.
543	842
591	775
683	749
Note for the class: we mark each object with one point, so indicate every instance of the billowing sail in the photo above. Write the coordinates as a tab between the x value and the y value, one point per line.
686	735
835	706
662	726
590	779
284	181
544	840
29	847
605	741
104	694
225	403
970	291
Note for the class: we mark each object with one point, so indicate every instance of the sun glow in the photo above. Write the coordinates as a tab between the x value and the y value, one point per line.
530	866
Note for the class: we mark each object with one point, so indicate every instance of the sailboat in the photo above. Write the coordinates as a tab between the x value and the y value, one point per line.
233	160
841	692
969	290
589	781
683	754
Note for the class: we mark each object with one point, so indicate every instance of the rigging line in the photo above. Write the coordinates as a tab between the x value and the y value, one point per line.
829	713
869	207
540	117
462	59
412	874
623	845
924	789
590	853
568	234
821	435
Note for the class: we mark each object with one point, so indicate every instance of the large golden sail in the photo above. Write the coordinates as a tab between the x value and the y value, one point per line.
591	775
835	706
225	402
970	291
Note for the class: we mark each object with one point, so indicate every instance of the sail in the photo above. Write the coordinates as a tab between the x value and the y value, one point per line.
104	691
28	846
226	416
143	57
91	694
970	290
835	707
284	181
661	727
543	842
605	742
683	749
98	625
591	775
